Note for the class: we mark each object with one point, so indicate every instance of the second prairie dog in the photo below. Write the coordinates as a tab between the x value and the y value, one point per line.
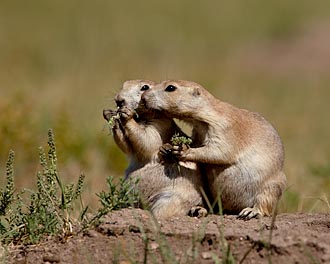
169	189
238	151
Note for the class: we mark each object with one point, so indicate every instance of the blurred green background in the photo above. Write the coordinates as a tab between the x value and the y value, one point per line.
61	62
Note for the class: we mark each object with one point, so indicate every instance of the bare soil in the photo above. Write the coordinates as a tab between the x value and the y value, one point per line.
133	236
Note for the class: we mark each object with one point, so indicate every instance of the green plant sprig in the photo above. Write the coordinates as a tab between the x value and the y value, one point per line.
112	120
178	140
118	196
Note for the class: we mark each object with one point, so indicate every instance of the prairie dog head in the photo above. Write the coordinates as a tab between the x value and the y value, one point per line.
176	98
131	92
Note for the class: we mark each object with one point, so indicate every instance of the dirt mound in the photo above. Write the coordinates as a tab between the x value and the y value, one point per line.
132	235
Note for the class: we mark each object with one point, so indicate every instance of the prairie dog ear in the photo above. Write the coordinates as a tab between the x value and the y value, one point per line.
196	91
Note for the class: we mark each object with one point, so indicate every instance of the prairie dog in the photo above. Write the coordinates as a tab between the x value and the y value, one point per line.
138	135
168	189
238	151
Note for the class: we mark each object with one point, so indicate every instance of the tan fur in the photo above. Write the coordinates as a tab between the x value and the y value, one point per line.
168	189
239	152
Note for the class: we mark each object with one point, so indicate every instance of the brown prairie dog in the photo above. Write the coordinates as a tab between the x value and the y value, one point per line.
169	189
238	151
138	136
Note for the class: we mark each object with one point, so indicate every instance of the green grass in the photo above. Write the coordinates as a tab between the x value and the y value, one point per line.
46	211
63	61
53	208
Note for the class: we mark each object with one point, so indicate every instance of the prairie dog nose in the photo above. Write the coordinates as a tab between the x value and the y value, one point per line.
120	101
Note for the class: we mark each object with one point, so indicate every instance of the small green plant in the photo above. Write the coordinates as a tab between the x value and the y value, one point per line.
113	120
49	209
178	140
118	196
167	156
11	217
7	195
115	116
10	204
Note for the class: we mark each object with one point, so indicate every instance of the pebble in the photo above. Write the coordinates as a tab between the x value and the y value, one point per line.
134	229
91	233
154	245
51	258
206	255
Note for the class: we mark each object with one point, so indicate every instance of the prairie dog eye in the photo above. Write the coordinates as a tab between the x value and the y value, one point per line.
145	87
170	88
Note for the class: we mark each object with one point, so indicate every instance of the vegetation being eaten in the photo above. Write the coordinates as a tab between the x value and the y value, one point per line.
112	120
180	141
